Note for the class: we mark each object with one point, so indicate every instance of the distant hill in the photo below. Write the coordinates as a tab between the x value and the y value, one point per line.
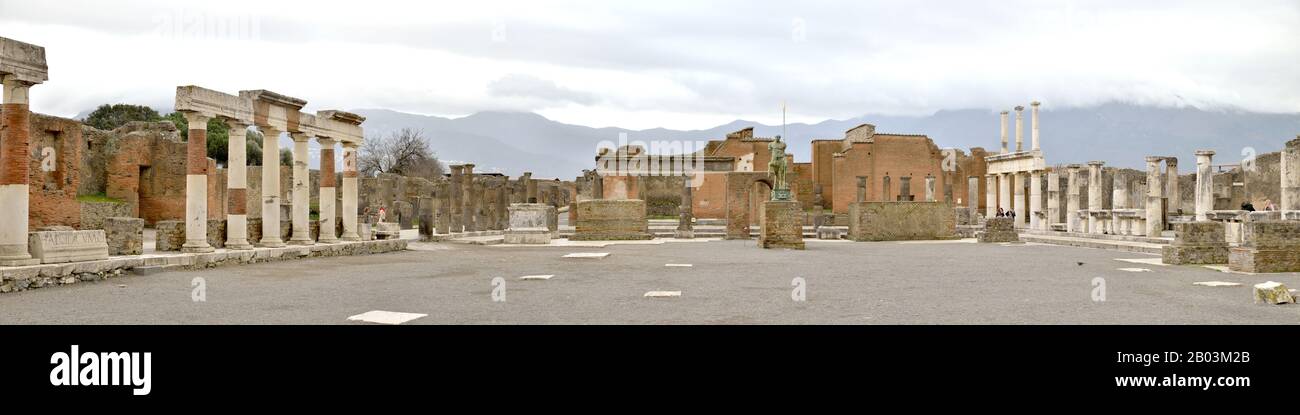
1120	134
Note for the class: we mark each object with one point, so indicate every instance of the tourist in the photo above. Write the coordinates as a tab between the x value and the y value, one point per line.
1001	214
1011	214
1247	206
1269	206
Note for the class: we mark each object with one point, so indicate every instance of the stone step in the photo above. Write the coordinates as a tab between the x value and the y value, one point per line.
1124	238
1114	245
154	269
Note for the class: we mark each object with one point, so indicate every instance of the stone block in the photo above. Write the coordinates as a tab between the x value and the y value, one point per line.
529	224
217	233
611	220
901	221
53	247
1197	243
388	230
170	235
1273	293
828	233
1274	246
781	225
998	230
125	236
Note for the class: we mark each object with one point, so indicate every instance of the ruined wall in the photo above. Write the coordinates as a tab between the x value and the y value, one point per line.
55	176
890	155
901	221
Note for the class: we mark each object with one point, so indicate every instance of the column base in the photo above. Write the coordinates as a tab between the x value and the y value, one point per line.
238	245
301	241
18	261
329	240
271	243
197	248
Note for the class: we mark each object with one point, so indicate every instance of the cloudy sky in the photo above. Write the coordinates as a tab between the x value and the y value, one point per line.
662	63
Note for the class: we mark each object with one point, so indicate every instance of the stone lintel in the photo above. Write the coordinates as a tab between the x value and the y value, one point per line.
23	61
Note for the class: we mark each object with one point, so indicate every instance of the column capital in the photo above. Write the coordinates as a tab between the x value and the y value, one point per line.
300	136
1096	163
197	121
1155	159
269	131
1019	108
15	90
1035	103
326	141
236	124
1004	112
1205	153
1171	161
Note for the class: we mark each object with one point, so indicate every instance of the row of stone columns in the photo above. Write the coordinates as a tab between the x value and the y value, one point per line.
196	210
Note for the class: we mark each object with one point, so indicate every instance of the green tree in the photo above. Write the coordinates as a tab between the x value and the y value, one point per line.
108	117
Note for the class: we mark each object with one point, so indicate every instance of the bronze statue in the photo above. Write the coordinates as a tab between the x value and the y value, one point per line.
777	169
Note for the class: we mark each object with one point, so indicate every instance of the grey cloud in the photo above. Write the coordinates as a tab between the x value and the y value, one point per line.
527	86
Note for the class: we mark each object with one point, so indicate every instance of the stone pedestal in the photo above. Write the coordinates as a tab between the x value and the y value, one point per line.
1273	246
611	220
782	225
388	230
1197	243
53	247
901	221
998	230
125	236
528	224
170	235
216	233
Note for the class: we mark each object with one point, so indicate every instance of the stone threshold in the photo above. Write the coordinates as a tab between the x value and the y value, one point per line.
37	276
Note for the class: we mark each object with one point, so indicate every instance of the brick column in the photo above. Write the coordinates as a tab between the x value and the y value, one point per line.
350	192
1073	200
327	191
196	185
1204	184
1155	224
270	188
1036	201
237	186
15	167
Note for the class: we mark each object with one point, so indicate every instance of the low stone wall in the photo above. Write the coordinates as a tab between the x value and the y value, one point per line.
1197	243
38	276
782	225
997	230
94	213
1274	246
901	221
170	236
611	220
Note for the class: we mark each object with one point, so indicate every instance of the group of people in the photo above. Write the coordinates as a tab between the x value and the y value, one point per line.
1006	213
1268	206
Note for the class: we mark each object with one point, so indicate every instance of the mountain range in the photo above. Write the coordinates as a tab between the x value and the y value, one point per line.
1120	134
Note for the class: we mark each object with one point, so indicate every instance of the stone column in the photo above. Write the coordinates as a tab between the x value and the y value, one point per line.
1291	176
503	204
442	202
1172	192
468	199
686	212
237	187
1033	120
327	192
1004	192
1073	199
1022	208
350	192
929	188
1053	199
990	196
972	196
1155	223
1094	195
196	185
1003	116
598	186
15	170
1020	129
270	188
862	189
456	194
1036	201
530	188
1204	184
301	191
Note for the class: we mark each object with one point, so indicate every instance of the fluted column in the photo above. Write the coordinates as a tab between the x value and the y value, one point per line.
237	186
990	196
1034	122
1291	176
1155	215
350	192
1073	200
1003	117
196	185
327	192
1204	184
271	188
1036	200
15	127
301	192
1094	195
1020	128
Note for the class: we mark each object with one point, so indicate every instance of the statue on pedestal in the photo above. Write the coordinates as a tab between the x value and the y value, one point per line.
777	169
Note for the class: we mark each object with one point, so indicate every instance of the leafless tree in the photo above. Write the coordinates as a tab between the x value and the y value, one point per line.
403	152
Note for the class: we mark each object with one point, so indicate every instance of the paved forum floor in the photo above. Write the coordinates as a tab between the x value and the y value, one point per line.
730	282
